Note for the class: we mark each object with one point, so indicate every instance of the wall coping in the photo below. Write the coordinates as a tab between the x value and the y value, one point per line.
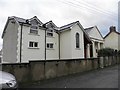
45	61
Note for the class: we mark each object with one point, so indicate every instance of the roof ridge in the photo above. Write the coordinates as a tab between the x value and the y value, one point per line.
89	27
18	17
117	32
111	32
69	24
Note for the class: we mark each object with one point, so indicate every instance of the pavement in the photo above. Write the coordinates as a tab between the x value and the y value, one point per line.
101	78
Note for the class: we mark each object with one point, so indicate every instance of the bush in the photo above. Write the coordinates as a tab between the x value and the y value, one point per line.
106	52
119	52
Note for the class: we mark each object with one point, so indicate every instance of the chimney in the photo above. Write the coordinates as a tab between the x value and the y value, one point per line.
112	29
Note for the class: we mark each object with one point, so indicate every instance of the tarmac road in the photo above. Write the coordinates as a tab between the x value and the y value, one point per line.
102	78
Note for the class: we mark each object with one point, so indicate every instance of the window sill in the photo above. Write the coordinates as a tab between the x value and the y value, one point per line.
34	34
50	49
33	48
77	48
50	36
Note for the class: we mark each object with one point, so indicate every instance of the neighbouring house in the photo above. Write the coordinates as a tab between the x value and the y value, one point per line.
112	39
97	41
30	39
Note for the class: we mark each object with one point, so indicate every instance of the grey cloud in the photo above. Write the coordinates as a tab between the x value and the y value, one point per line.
59	12
3	3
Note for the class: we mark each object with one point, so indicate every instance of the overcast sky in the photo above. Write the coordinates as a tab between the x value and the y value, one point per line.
102	13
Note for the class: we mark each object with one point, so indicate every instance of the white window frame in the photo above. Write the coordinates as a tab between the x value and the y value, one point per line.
33	30
33	44
50	33
48	45
77	37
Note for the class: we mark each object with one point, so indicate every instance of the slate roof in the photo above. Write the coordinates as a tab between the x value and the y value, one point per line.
68	25
49	24
90	29
20	20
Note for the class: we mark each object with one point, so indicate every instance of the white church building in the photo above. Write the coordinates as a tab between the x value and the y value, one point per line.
30	39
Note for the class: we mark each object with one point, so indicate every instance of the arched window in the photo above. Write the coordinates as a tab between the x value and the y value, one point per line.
77	40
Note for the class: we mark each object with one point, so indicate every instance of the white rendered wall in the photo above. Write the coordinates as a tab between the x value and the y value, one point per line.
65	45
10	43
37	53
94	33
111	41
95	37
53	53
77	52
32	53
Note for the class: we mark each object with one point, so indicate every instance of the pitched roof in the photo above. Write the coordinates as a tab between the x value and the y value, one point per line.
111	32
118	32
90	29
68	25
35	17
59	29
51	24
19	21
22	20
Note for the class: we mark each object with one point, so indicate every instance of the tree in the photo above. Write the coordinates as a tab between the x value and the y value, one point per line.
119	52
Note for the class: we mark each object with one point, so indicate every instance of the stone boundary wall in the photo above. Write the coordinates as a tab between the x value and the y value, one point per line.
41	69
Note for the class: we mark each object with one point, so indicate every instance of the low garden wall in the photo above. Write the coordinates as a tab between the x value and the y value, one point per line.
41	70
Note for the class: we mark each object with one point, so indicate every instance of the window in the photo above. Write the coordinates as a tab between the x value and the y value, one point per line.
77	41
50	45
33	44
50	33
34	29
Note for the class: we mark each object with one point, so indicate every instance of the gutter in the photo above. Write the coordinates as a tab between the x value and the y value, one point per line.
58	32
59	44
45	51
21	42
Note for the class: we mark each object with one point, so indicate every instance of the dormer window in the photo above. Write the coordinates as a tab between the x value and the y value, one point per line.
34	29
50	32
